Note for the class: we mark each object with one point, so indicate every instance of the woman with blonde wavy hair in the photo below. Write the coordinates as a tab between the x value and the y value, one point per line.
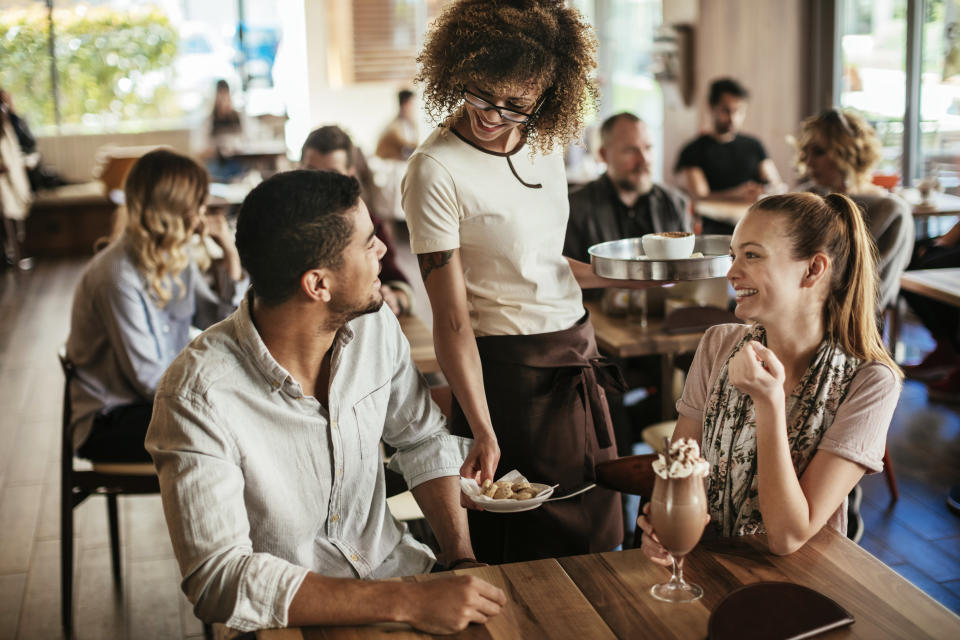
838	150
792	408
485	196
138	299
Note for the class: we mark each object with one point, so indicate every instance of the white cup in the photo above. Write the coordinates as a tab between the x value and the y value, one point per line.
669	245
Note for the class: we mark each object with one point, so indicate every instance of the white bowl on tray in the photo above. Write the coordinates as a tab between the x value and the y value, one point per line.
669	245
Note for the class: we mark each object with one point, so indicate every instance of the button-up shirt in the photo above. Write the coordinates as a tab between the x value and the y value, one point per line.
121	340
261	483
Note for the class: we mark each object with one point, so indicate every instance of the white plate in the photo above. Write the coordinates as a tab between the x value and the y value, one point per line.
506	505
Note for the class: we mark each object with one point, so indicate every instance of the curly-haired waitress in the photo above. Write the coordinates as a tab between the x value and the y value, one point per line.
485	198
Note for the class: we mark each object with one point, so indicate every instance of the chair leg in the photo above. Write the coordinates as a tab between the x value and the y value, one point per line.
891	479
66	551
114	539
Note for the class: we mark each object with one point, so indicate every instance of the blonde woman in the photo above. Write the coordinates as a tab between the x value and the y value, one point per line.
792	409
838	151
137	301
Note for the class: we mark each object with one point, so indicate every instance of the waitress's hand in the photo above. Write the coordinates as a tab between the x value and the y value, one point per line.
650	543
756	371
481	463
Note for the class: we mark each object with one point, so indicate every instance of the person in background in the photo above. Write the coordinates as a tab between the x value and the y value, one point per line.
266	436
724	163
329	148
624	202
940	368
401	136
226	131
838	150
41	177
485	198
792	409
15	194
138	299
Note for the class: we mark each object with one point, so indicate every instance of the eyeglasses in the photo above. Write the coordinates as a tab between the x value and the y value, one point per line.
510	115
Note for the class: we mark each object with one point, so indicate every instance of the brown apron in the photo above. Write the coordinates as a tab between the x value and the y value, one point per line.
547	398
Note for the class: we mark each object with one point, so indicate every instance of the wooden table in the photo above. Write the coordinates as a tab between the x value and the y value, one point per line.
420	338
606	596
939	284
618	338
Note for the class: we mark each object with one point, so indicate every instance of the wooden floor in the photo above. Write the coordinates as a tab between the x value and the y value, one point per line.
917	536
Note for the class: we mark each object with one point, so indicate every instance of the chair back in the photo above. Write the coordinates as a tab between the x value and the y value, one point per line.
630	474
69	370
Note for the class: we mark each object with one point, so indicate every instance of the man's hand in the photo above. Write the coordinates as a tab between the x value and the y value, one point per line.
390	299
748	191
448	605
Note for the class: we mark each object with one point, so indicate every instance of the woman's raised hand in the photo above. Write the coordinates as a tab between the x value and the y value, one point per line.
756	371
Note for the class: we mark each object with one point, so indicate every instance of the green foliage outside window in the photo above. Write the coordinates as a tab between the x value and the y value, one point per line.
113	66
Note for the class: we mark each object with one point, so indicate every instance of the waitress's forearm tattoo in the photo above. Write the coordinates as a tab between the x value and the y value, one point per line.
431	261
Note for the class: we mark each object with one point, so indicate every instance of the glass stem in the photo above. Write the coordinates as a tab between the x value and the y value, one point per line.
677	570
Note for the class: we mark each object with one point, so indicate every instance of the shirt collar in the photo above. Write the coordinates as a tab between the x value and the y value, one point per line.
252	344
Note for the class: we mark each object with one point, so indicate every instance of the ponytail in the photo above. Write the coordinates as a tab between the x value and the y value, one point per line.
834	225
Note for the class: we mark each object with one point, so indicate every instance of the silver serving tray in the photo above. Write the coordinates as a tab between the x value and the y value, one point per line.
624	260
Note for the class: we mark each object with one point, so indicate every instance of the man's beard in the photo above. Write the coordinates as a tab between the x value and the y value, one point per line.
341	313
642	183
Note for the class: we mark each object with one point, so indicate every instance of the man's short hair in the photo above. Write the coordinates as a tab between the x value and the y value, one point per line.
327	140
607	127
291	223
403	96
726	85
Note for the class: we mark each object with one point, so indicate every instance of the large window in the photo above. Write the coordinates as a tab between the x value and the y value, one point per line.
874	78
135	64
876	81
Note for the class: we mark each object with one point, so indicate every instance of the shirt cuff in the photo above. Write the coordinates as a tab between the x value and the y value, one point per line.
436	457
267	587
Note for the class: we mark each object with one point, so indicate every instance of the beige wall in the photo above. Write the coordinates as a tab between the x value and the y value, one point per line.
760	43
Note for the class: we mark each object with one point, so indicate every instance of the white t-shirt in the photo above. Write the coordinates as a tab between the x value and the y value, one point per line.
510	233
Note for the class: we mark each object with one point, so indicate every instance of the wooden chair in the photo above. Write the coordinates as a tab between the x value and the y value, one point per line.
630	474
75	485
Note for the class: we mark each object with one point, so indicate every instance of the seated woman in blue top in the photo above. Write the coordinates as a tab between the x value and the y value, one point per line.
137	301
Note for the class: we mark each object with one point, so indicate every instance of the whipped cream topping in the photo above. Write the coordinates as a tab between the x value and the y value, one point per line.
684	460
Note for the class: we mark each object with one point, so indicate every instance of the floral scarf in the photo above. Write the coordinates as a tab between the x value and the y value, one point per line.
730	432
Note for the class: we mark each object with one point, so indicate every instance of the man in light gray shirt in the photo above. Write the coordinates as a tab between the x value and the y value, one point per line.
266	431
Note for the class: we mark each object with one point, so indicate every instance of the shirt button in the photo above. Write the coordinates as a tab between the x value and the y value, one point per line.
166	328
340	472
333	425
354	557
334	517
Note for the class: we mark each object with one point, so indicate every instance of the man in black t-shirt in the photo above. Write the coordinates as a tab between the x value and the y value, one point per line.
725	164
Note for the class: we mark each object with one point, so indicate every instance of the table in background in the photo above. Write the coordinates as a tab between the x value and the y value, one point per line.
939	284
420	338
941	204
606	596
621	339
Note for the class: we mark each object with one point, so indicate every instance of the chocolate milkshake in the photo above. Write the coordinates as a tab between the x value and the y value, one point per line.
678	512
